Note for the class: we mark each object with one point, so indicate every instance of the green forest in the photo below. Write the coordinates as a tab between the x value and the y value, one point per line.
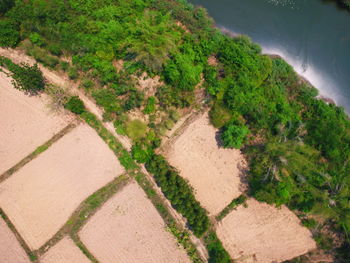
297	145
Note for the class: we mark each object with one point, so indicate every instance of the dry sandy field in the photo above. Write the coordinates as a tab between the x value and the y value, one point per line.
10	249
214	172
263	233
41	196
25	123
129	229
64	251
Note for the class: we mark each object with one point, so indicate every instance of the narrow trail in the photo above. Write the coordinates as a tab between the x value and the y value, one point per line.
73	87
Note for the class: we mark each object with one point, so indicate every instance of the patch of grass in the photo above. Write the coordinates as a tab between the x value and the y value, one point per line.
41	149
136	129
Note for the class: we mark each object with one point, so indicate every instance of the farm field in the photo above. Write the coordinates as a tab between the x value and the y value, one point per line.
263	233
41	196
10	249
64	251
129	229
214	172
26	123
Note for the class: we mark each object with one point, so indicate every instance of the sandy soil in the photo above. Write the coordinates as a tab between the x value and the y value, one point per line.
215	173
41	196
262	233
64	251
129	229
25	123
10	249
149	85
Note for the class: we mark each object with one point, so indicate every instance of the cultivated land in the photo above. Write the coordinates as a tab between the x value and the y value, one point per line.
215	173
10	249
64	251
262	233
26	123
129	229
41	196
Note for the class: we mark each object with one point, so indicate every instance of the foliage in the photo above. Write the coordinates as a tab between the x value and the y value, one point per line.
180	194
75	105
182	72
217	253
25	77
219	115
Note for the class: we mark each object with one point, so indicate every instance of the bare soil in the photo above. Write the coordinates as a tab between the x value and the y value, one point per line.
129	229
215	173
64	251
10	249
262	233
25	123
41	196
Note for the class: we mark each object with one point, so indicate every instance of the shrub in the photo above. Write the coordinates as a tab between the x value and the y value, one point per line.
136	129
25	77
233	135
180	194
150	106
75	105
141	153
217	253
219	115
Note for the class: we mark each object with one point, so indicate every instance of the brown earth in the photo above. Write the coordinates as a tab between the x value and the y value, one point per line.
10	249
262	233
129	229
41	196
64	251
215	173
25	123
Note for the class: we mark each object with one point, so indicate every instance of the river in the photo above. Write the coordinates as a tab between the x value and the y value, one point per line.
312	35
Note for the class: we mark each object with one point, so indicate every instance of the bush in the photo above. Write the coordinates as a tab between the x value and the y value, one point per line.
25	77
136	129
9	35
233	135
179	193
75	105
217	253
150	106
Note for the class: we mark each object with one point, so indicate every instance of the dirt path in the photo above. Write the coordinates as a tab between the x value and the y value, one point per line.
63	81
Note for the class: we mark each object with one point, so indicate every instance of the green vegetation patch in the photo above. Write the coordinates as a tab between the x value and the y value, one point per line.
180	194
136	129
26	78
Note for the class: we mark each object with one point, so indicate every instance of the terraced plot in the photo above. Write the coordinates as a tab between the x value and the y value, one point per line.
10	249
26	123
129	229
64	251
262	233
215	173
41	196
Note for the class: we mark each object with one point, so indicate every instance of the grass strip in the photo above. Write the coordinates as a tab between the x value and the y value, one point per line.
38	151
31	254
231	206
182	236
